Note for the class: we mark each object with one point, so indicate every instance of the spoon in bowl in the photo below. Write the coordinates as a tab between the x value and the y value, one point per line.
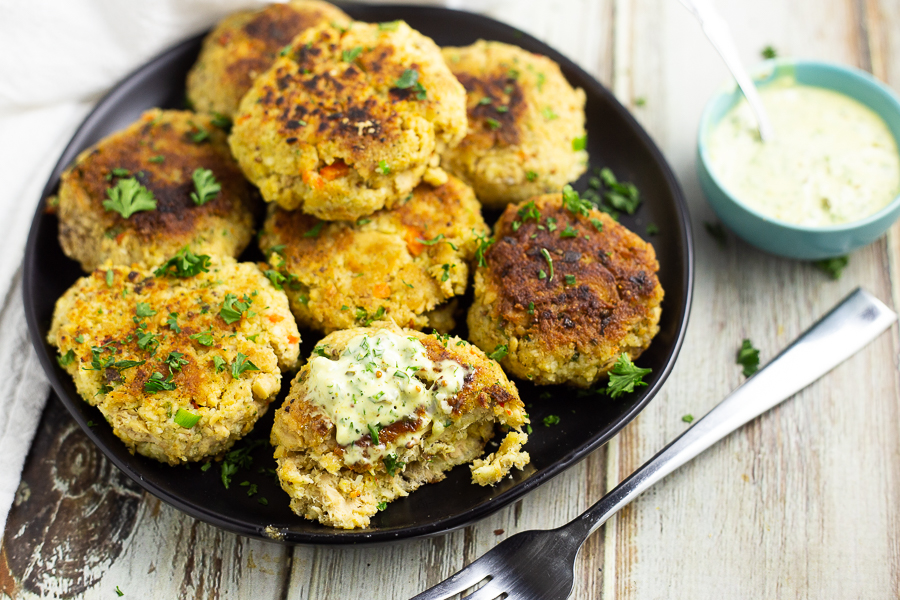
716	29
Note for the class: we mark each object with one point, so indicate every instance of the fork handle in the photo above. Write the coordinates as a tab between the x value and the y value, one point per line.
855	322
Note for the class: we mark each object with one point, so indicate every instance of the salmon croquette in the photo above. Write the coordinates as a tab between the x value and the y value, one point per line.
181	361
526	124
244	45
402	264
564	291
349	120
379	411
140	195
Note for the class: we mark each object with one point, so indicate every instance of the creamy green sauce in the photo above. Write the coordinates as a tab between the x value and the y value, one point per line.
833	160
378	380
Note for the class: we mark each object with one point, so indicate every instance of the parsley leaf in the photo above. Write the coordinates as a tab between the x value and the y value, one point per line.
625	376
275	277
769	52
531	175
315	231
548	113
373	433
568	232
579	143
574	203
833	266
172	322
66	359
620	195
748	357
157	383
143	310
382	505
383	168
392	464
549	260
175	360
351	55
688	418
551	420
494	124
129	197
241	364
652	229
499	352
410	79
184	264
484	243
206	185
204	338
233	309
238	459
219	363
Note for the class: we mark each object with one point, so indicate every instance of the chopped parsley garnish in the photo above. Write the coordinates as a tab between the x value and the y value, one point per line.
652	229
278	249
551	420
717	232
143	310
568	232
549	260
262	500
66	359
410	79
625	376
548	113
389	25
175	360
157	159
79	338
499	352
172	322
570	279
286	50
383	168
351	55
129	197
529	211
118	172
157	383
241	364
484	243
598	224
748	357
494	124
221	121
621	196
373	433
435	240
446	268
688	418
204	338
238	459
640	101
485	101
382	505
109	277
275	277
184	264
531	175
219	363
833	266
119	592
320	350
315	231
146	340
205	185
233	309
579	143
502	109
541	78
444	338
769	52
574	203
186	418
200	135
542	274
392	464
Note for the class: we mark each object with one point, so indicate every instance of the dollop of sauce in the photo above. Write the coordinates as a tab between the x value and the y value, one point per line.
379	380
832	161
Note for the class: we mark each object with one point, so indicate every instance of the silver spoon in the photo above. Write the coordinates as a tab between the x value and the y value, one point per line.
716	29
540	565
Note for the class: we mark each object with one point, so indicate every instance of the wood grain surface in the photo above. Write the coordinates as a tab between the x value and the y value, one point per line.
802	503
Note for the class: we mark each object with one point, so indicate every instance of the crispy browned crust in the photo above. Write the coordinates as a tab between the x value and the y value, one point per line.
502	89
244	45
88	230
486	391
615	292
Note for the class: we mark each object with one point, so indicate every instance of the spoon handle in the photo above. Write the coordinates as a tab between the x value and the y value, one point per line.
852	324
716	29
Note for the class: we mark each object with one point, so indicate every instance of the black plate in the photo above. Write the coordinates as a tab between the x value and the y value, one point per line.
615	140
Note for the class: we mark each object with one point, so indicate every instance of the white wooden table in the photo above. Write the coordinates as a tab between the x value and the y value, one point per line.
803	503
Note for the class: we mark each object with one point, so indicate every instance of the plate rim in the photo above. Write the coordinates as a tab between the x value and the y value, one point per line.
437	526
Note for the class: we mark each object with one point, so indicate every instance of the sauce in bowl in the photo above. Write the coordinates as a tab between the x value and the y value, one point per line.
833	160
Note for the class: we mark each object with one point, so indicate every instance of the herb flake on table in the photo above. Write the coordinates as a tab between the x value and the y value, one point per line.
205	185
625	376
119	592
834	266
768	52
717	232
128	197
688	418
551	420
748	357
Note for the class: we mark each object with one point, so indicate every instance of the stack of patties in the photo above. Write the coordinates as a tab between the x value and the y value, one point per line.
179	346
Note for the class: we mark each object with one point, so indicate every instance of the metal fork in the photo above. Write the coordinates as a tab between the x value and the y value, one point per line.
539	565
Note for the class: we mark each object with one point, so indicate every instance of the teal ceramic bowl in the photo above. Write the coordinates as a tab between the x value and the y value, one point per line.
779	237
